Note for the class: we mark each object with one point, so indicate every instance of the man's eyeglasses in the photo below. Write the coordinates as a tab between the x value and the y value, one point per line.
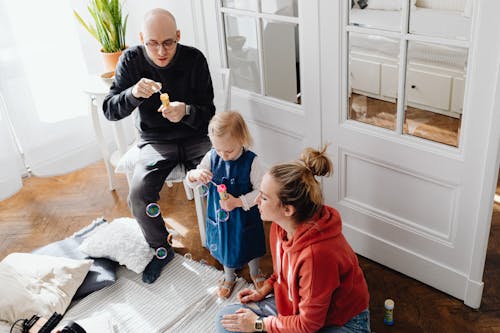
155	46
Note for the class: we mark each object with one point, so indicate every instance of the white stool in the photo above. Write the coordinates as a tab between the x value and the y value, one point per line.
96	89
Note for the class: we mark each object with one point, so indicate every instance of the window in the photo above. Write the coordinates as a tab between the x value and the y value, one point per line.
407	66
262	46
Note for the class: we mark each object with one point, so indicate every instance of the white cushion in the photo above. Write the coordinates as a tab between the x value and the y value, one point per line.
129	159
120	240
37	284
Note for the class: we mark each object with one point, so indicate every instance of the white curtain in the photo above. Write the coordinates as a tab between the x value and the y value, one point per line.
10	176
42	72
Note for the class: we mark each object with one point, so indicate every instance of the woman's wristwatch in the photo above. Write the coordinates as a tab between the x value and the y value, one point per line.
259	325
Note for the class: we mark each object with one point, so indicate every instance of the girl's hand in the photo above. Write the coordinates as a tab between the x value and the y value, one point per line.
230	203
243	320
202	175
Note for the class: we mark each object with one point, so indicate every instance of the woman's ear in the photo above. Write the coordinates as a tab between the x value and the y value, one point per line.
289	210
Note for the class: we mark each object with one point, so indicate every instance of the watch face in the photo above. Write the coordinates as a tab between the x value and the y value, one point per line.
258	325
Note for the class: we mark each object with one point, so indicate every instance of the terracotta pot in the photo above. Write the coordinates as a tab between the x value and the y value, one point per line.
110	60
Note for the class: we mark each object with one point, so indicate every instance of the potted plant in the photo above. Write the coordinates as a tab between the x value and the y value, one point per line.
108	29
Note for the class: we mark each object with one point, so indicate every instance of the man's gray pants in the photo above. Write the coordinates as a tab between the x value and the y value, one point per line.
156	161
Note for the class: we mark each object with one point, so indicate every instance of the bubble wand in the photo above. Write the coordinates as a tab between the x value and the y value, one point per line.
222	214
222	190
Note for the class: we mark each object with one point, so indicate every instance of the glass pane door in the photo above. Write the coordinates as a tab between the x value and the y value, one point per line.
412	49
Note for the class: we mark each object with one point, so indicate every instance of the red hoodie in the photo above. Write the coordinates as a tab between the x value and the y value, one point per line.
317	279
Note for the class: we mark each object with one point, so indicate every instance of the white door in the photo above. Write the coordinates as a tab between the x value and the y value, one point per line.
415	194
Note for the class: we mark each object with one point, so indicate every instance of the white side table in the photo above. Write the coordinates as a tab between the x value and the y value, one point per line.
97	89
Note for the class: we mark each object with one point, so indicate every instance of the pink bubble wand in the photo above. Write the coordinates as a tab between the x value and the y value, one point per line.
222	214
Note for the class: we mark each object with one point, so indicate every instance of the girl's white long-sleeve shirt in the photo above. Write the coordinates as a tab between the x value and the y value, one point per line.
256	174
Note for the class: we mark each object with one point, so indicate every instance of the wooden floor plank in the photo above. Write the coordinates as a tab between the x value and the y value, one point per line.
49	209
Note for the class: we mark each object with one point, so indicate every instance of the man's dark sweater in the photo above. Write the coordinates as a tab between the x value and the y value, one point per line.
186	79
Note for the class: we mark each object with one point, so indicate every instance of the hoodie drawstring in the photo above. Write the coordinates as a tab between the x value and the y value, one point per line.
281	264
289	278
278	256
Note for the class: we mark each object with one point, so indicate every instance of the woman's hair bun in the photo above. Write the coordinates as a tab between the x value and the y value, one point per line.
317	161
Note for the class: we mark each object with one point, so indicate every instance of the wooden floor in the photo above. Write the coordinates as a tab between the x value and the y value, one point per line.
49	209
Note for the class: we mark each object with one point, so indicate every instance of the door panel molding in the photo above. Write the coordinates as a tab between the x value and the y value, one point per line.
399	195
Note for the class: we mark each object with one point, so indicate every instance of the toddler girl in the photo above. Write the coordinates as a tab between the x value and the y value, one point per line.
239	239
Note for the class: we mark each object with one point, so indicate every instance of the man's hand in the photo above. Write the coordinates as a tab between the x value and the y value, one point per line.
145	88
174	112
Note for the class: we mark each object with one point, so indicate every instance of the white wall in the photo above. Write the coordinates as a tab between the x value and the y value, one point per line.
136	10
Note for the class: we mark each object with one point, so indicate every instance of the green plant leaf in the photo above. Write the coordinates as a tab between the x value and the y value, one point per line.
109	27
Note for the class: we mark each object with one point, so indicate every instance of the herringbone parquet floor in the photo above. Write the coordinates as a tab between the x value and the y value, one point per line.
49	209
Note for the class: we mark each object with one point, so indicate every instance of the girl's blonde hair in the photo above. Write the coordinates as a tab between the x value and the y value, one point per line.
297	183
232	123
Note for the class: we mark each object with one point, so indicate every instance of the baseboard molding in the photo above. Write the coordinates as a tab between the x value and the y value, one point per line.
425	270
9	187
473	293
68	162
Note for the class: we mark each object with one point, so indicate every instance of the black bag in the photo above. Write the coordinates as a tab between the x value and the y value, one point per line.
73	327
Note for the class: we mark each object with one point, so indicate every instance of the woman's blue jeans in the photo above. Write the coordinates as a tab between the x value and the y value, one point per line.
267	307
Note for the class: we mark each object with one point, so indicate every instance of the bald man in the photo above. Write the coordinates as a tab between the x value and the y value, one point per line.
169	134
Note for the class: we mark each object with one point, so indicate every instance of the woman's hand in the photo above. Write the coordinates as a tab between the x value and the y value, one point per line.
202	175
174	112
230	203
248	295
243	320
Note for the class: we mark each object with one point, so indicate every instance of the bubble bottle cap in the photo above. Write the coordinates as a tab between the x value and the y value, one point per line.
221	188
389	304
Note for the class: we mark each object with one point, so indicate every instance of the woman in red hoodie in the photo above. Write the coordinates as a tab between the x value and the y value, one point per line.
317	282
